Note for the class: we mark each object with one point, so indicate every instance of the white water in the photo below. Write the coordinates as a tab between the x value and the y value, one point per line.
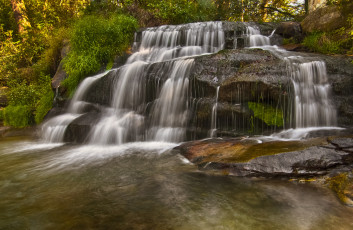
168	117
54	129
313	109
255	37
213	130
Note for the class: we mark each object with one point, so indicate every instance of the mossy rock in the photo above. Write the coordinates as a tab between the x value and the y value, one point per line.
342	185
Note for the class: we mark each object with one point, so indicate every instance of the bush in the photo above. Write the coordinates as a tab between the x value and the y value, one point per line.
18	116
43	106
322	42
45	98
95	41
37	98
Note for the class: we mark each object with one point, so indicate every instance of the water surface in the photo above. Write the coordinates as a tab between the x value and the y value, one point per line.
147	186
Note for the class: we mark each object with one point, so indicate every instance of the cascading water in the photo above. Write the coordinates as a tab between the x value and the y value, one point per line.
255	37
311	89
214	116
133	115
53	130
312	106
152	92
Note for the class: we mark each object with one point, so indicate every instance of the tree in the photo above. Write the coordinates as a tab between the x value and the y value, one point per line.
20	15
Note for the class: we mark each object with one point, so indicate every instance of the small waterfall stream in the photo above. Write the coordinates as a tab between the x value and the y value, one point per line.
312	106
213	129
54	129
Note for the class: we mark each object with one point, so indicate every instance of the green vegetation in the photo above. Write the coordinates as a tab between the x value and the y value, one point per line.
96	41
268	114
33	32
336	42
339	41
18	116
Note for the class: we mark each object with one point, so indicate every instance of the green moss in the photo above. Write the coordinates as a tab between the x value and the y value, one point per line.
268	114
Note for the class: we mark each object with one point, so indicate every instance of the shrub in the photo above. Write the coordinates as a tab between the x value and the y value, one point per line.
94	42
18	116
45	98
322	42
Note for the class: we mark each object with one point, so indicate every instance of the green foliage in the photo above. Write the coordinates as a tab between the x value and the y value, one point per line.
181	11
267	113
1	114
22	94
18	116
335	42
43	106
96	40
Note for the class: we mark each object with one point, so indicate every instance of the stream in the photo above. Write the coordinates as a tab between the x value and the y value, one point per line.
145	185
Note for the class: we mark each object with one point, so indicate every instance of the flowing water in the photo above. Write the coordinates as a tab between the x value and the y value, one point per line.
134	114
214	116
313	109
144	185
129	177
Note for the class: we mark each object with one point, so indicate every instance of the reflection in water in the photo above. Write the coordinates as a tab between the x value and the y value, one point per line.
146	186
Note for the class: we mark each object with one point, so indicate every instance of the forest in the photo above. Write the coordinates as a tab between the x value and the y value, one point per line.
34	32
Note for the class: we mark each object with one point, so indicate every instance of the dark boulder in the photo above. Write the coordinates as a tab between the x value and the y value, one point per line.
290	30
79	129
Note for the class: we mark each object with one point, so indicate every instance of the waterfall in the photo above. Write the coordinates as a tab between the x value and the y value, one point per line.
255	37
214	116
54	129
311	89
312	105
152	97
168	113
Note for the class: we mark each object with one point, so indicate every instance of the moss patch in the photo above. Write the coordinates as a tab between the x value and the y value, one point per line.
268	114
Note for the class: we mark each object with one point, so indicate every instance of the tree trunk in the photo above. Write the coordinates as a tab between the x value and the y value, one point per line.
19	11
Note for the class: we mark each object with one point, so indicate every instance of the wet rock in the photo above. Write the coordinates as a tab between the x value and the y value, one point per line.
246	157
342	143
79	129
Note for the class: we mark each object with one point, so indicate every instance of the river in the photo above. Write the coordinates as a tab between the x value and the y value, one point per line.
146	185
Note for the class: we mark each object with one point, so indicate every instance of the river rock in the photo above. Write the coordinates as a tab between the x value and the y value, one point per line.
246	157
79	129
